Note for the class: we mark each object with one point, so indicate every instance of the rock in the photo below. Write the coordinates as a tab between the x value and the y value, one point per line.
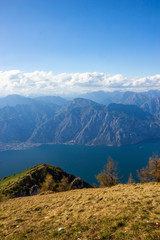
60	229
78	183
34	190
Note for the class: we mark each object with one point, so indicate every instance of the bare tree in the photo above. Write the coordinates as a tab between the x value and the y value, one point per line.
130	179
109	176
150	173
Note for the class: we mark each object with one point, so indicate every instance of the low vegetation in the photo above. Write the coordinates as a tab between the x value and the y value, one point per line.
130	211
118	211
37	179
42	177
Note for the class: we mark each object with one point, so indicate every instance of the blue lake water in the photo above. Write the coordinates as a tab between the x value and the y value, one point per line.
82	161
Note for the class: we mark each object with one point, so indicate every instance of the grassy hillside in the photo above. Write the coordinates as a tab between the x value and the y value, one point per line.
120	212
31	181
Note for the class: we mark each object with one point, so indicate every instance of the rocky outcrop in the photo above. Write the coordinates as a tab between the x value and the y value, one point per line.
34	190
78	183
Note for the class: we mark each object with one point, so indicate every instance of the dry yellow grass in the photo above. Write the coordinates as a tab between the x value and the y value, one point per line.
119	212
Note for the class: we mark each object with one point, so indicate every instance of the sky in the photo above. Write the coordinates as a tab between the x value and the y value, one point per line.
54	47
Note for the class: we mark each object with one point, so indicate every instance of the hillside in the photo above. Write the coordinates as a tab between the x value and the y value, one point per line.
120	212
39	178
88	123
152	106
18	123
80	121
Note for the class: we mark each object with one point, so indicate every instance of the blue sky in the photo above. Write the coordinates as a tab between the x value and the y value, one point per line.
79	36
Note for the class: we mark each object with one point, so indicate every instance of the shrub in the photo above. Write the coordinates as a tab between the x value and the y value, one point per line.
63	185
48	184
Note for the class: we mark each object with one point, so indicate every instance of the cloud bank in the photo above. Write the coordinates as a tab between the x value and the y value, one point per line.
46	83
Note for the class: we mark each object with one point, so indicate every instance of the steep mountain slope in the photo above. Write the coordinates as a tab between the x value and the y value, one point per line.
152	106
73	119
152	93
80	121
86	122
128	124
18	123
39	178
133	98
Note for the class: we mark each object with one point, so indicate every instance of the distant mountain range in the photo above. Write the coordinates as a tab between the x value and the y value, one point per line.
52	119
128	97
134	98
14	100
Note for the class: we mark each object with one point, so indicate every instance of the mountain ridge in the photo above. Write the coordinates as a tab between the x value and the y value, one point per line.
42	177
79	121
115	124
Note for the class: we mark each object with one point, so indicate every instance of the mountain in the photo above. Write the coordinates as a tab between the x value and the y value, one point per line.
51	99
127	97
18	123
152	106
101	96
86	122
132	98
80	121
41	177
73	124
152	93
13	100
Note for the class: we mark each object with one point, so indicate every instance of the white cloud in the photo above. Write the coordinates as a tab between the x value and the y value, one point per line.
46	83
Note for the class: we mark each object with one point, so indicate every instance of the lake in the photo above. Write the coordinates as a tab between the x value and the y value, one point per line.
82	161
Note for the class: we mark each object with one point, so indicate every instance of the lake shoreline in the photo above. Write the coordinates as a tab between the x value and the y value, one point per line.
26	145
